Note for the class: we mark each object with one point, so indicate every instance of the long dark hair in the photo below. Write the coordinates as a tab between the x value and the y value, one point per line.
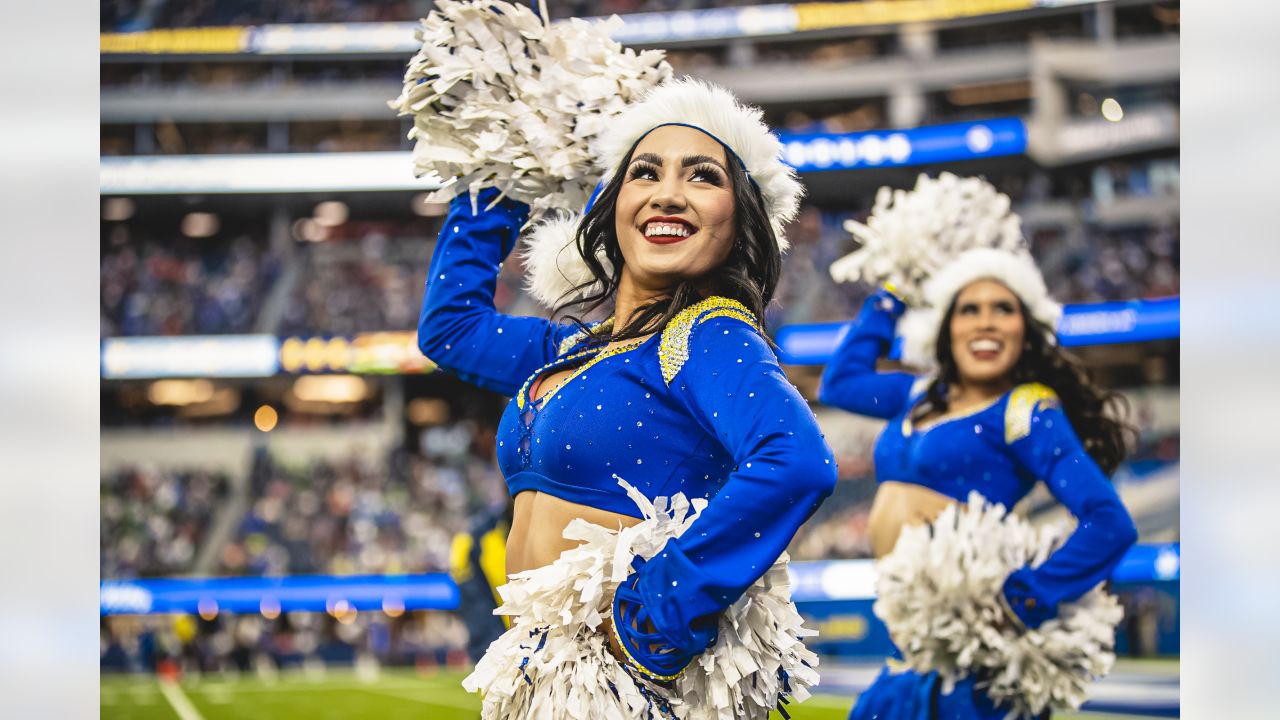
749	274
1094	413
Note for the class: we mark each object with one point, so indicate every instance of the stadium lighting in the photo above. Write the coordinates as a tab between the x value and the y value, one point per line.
208	608
1111	110
392	606
179	392
265	418
308	230
270	607
427	411
330	389
200	225
117	209
331	213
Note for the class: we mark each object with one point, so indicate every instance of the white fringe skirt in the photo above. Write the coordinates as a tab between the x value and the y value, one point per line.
554	662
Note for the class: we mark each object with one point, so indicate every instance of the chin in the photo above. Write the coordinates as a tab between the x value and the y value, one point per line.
986	376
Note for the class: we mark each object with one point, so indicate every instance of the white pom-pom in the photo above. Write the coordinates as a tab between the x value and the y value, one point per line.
940	596
909	236
502	99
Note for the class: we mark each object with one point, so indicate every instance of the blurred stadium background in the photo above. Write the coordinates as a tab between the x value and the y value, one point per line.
267	417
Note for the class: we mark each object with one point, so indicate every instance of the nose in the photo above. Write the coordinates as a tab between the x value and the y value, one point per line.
986	319
668	194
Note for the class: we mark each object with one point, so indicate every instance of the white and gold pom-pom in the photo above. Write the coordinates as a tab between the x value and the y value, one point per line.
502	98
555	661
939	594
911	235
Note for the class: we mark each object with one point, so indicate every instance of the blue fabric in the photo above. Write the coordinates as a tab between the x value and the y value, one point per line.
971	452
729	427
909	695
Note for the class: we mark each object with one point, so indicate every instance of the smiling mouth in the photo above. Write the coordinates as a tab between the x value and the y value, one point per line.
666	231
985	348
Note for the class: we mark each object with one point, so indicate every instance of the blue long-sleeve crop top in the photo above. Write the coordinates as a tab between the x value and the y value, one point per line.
701	408
1000	450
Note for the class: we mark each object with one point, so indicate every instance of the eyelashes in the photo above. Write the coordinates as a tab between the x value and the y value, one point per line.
705	173
1001	307
710	173
642	170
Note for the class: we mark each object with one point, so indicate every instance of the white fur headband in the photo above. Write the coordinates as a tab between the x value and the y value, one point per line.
552	261
1015	269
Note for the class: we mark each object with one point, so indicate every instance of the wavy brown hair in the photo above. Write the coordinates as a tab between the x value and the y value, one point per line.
749	274
1094	412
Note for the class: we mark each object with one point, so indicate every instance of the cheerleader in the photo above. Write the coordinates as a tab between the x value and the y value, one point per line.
1004	409
660	461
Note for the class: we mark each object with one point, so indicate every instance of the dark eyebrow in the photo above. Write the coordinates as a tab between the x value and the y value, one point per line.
692	160
688	161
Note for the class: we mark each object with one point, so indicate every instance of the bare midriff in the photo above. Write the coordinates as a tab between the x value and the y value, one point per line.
537	528
897	505
539	519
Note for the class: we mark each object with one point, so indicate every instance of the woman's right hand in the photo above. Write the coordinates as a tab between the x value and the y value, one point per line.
885	301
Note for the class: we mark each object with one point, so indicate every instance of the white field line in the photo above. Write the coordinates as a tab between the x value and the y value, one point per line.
179	701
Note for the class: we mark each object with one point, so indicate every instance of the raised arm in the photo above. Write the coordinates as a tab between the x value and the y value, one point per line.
459	329
733	386
850	381
1045	444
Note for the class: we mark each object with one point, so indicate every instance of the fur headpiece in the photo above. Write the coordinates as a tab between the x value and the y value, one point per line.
551	255
928	243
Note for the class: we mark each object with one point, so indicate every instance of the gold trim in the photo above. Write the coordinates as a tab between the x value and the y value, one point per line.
673	349
523	398
1023	402
613	628
595	328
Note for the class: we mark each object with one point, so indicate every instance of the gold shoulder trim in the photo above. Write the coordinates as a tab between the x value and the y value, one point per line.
1023	401
673	348
594	328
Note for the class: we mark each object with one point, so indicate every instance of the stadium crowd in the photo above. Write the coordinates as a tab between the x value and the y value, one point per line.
356	516
154	521
174	286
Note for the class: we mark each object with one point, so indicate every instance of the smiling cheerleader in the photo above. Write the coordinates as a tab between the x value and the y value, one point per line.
993	618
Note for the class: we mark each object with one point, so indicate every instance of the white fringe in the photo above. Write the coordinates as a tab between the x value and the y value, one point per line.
502	99
940	596
553	265
911	235
555	662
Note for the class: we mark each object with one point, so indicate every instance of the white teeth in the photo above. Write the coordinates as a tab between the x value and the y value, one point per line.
653	229
986	345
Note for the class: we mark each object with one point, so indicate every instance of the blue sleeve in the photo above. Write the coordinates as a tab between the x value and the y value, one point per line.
850	381
459	329
733	386
1052	452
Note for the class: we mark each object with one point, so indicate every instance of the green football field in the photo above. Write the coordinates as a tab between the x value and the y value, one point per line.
386	695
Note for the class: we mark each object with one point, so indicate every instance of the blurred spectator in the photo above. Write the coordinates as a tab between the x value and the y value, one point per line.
230	643
1115	264
355	517
176	287
203	13
369	276
154	521
371	284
